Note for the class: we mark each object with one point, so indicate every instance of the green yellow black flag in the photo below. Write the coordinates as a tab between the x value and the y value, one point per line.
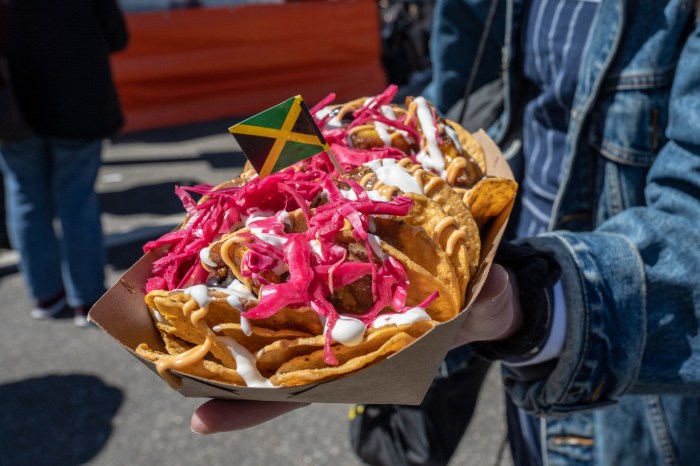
280	136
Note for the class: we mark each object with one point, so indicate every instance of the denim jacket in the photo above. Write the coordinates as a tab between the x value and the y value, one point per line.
626	231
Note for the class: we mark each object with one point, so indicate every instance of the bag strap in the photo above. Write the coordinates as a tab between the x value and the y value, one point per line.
479	57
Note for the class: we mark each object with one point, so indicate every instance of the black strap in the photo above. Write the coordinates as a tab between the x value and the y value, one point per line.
478	58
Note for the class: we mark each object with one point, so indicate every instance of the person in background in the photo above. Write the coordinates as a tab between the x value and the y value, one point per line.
58	58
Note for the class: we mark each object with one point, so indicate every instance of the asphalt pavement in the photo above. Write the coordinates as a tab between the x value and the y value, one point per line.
73	396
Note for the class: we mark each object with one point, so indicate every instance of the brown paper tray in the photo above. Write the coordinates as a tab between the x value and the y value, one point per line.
402	378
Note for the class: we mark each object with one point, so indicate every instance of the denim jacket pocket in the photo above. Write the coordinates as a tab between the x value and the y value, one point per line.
626	133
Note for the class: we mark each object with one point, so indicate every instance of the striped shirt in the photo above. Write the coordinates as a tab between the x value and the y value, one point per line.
555	36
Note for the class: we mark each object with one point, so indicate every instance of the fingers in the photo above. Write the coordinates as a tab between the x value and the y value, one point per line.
229	415
496	312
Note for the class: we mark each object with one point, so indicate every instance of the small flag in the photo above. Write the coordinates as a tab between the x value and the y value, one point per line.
280	136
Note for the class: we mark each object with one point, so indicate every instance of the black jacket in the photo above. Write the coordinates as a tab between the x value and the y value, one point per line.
58	56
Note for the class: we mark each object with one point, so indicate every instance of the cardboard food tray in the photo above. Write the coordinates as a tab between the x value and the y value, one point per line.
402	378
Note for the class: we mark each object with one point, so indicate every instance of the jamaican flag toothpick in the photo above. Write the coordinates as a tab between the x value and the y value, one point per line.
281	136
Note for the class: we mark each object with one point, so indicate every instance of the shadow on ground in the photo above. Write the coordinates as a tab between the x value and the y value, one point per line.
182	132
160	198
124	252
157	199
56	419
224	159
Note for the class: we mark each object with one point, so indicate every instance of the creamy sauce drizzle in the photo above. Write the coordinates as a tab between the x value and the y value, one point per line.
453	135
434	159
389	172
204	257
377	196
316	247
413	315
237	292
418	173
188	358
348	331
388	112
245	364
373	241
455	168
383	132
348	194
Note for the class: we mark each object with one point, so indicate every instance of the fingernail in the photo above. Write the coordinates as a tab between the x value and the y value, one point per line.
197	426
503	277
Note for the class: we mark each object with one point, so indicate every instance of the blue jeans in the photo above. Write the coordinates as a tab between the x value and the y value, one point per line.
48	179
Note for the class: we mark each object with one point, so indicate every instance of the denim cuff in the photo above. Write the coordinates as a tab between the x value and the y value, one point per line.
602	276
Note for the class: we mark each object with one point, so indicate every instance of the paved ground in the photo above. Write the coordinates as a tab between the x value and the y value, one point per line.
73	396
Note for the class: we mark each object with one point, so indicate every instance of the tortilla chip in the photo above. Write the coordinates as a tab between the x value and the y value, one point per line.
270	358
171	308
259	336
428	267
452	203
489	197
203	368
289	375
446	232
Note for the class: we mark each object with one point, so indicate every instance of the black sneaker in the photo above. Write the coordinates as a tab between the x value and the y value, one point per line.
50	307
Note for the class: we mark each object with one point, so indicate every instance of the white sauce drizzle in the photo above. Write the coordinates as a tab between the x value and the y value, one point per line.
413	315
348	194
204	257
382	131
451	133
261	233
387	111
374	245
348	331
158	316
376	196
322	113
245	364
256	215
392	174
434	160
316	247
283	217
235	291
332	122
199	293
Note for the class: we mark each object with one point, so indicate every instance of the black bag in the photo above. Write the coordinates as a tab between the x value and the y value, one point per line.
428	434
485	106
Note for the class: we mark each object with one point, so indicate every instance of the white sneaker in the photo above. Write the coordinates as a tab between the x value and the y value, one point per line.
80	317
46	312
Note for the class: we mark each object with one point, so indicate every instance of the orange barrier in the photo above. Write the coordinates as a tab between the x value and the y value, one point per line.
194	65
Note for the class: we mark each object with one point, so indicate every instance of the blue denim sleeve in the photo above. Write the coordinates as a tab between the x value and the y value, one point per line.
457	28
632	286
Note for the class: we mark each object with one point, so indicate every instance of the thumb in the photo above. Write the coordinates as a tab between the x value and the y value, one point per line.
495	314
496	288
